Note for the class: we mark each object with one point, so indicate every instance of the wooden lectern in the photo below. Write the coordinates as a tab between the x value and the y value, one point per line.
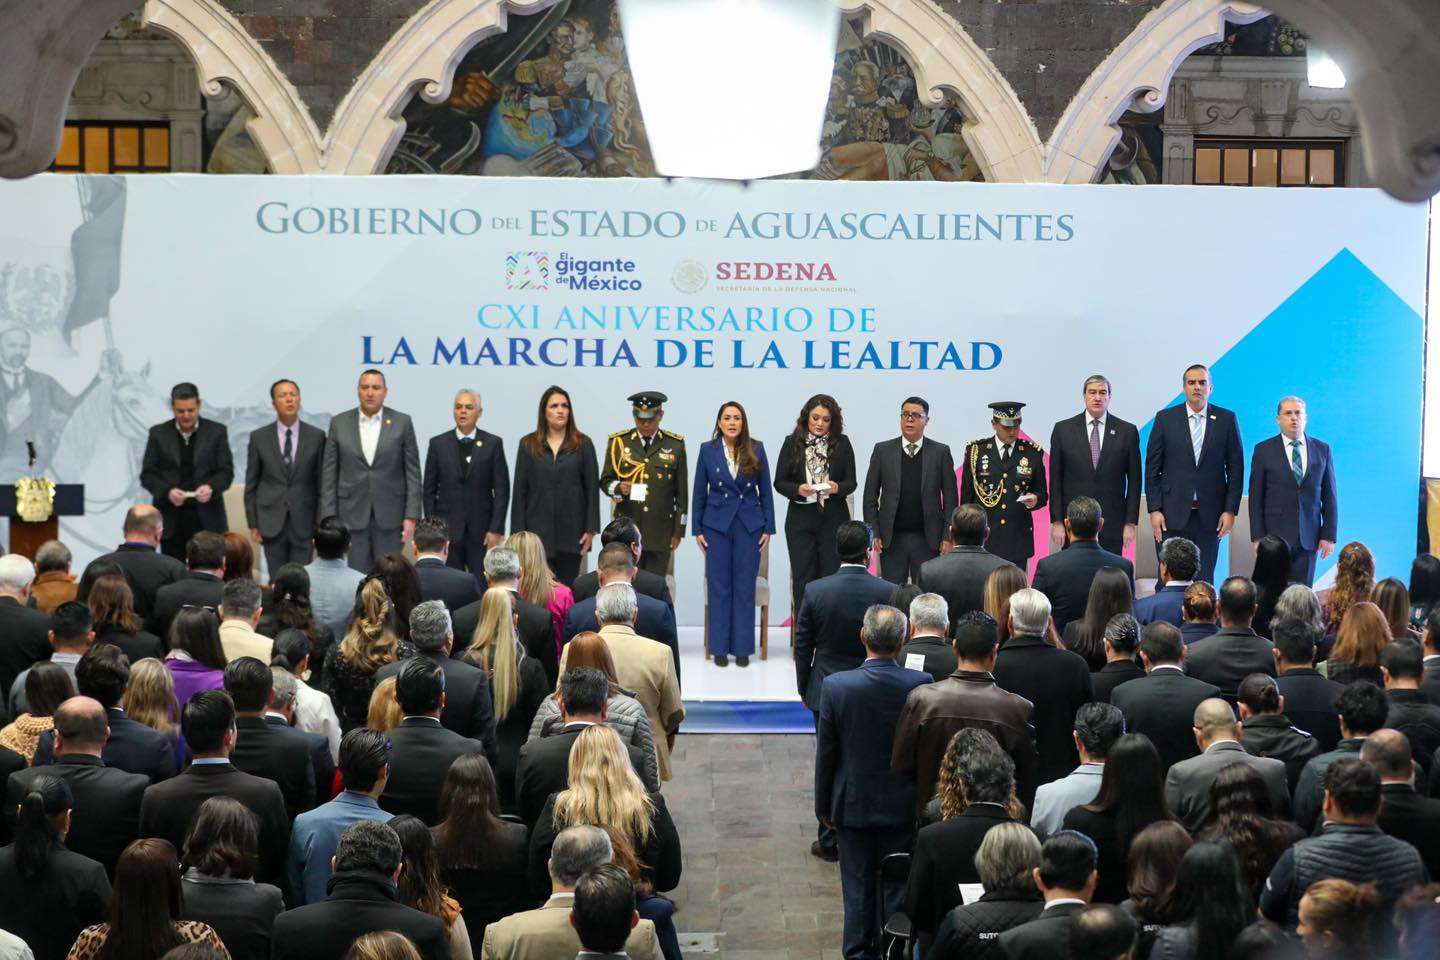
26	537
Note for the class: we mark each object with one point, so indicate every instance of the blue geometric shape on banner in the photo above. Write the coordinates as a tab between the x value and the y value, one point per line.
1352	348
748	716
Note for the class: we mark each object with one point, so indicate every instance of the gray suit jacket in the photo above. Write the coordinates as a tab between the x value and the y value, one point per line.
272	491
1187	786
938	488
352	489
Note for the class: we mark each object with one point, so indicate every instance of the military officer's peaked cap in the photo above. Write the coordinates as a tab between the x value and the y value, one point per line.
646	403
1006	412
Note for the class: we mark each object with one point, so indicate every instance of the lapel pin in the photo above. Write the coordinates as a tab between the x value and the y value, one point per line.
1212	416
387	421
1112	433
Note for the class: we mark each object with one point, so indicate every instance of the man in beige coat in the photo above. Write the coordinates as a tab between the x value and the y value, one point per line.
239	613
546	933
642	666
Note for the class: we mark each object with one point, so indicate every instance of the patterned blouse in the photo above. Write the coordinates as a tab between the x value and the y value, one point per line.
350	687
91	939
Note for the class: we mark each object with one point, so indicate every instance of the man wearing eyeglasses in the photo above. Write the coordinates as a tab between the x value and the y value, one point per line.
910	492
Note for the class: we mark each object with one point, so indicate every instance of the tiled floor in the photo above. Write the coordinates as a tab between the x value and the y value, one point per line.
744	810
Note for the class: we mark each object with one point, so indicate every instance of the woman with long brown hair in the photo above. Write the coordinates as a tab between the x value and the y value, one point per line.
420	887
1110	594
732	518
1359	642
556	494
369	644
1354	579
112	604
815	471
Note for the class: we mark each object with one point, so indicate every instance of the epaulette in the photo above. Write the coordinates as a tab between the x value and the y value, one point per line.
1032	443
621	433
671	434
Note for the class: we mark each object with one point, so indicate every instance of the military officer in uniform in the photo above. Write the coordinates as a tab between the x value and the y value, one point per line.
645	478
1005	474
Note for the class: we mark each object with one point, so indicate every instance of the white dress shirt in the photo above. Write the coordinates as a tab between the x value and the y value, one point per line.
370	434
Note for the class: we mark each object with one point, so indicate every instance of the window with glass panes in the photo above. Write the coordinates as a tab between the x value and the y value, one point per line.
120	147
1269	163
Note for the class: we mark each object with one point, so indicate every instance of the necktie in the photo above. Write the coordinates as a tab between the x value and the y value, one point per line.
467	450
1005	452
1295	463
1094	444
1197	434
910	449
287	452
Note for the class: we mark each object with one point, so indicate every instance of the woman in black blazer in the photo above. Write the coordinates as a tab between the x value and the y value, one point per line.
815	472
557	486
219	888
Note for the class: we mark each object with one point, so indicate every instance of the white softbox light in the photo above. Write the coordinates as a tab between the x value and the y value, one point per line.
731	89
1322	70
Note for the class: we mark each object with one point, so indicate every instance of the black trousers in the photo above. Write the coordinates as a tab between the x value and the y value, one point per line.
287	547
187	524
900	560
655	561
565	567
810	539
468	554
1203	536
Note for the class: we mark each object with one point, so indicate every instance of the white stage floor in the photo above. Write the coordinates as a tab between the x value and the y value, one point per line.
771	680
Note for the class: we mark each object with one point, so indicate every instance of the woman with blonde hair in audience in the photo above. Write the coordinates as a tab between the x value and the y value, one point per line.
623	713
420	888
1002	583
1359	642
517	681
605	791
47	685
382	945
370	643
1393	599
538	584
149	698
1197	612
1337	920
1354	579
112	604
384	712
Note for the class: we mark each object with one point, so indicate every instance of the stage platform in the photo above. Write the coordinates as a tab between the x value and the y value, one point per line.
759	698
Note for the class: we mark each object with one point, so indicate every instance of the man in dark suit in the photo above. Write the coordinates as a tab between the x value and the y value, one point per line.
1065	577
929	647
656	620
262	750
537	635
1179	562
361	899
1005	474
1234	651
827	630
871	810
1066	878
544	766
201	586
959	576
422	749
106	815
208	724
370	477
1404	813
187	467
1309	695
1122	638
1096	454
1056	681
1292	492
280	714
1162	704
146	569
282	480
469	709
1195	470
1430	647
467	485
24	631
439	579
1401	666
910	492
623	530
1217	734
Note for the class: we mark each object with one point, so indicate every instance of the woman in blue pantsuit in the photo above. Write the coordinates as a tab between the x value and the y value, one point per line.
733	517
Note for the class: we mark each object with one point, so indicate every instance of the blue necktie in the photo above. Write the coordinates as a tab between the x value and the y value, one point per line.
1295	464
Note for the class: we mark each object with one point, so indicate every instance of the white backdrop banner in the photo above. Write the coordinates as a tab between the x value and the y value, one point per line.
766	293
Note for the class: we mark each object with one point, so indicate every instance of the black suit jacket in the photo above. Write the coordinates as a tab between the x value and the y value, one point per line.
359	902
195	589
1303	513
137	646
146	570
938	655
1310	704
1044	938
169	808
106	816
469	705
49	912
275	493
452	587
944	857
420	754
556	498
1057	682
24	639
1173	480
959	576
1065	578
537	634
1104	681
544	769
1408	816
277	753
939	490
160	471
1162	706
827	631
472	504
1228	656
650	584
1114	483
132	747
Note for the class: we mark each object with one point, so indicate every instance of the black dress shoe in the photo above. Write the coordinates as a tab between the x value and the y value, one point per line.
828	854
742	661
721	660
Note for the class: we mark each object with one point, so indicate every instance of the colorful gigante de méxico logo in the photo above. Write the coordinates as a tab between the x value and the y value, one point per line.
537	270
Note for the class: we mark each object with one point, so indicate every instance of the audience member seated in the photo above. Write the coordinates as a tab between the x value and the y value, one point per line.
1002	583
1235	651
654	619
288	608
1354	579
1121	641
364	768
516	680
929	636
47	685
960	575
1271	576
384	713
168	809
145	913
1110	596
546	932
1336	918
196	660
420	887
482	858
1217	733
976	792
1179	562
1198	612
333	582
1214	903
202	585
51	892
1267	732
502	569
1402	665
271	751
1066	878
1309	695
422	748
145	568
439	581
1404	813
361	898
1131	797
1359	642
1067	577
26	630
1393	600
1152	864
605	791
537	582
1006	863
239	557
402	586
117	621
1097	727
313	711
469	707
623	530
53	584
240	611
1242	814
1102	932
1162	704
370	643
1362	709
604	912
218	887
